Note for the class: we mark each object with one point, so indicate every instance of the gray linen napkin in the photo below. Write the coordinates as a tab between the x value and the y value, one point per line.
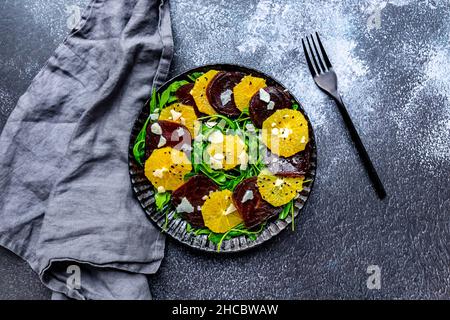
66	204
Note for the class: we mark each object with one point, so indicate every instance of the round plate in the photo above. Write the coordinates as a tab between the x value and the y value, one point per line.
177	227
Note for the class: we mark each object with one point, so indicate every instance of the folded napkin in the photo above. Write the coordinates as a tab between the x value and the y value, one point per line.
66	203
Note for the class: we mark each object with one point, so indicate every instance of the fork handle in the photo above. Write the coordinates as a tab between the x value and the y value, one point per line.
378	185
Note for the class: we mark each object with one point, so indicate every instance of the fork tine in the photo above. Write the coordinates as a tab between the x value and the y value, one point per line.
313	56
324	53
319	58
308	60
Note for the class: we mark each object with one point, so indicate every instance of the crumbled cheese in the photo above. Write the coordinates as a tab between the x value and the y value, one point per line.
183	121
185	147
159	172
285	132
225	97
216	137
211	124
215	164
250	127
248	195
279	182
161	189
218	156
243	160
180	132
231	208
185	206
303	140
199	208
204	198
156	110
270	105
273	124
275	131
175	115
275	160
156	128
199	138
162	142
264	95
154	116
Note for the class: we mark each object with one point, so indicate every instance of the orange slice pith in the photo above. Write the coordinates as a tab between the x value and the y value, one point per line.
278	190
227	154
285	132
182	114
166	168
199	92
245	90
219	213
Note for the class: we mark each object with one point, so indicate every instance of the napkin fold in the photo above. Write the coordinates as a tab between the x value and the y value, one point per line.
66	202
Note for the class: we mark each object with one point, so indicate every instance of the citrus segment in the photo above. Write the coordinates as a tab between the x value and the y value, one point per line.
285	132
166	168
199	92
219	213
278	190
226	152
245	90
180	113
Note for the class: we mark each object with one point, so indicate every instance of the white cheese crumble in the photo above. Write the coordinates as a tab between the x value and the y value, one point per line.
225	97
231	208
162	141
243	160
183	121
204	198
185	147
185	206
154	116
175	115
161	189
270	105
211	124
159	172
303	140
250	127
248	195
279	182
275	131
156	128
180	132
216	137
264	95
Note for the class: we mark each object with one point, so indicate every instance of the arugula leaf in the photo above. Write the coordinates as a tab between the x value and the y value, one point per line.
195	75
139	143
168	95
295	106
161	199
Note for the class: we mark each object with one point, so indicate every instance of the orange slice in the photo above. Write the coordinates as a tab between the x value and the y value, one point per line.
180	113
166	168
245	90
226	152
278	190
219	213
199	92
285	132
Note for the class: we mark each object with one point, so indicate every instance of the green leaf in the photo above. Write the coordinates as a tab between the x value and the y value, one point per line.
195	75
168	95
161	199
295	106
286	210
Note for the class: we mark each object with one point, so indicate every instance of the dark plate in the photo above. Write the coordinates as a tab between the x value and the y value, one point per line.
177	227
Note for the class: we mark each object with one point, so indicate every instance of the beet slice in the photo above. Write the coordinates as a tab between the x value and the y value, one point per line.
222	83
194	190
254	211
170	132
294	166
184	96
258	108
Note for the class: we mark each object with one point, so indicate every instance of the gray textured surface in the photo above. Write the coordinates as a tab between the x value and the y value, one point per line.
395	79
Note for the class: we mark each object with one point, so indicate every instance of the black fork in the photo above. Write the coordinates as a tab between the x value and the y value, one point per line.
326	79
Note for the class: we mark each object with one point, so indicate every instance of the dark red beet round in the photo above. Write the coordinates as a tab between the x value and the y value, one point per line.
194	190
254	211
258	108
184	96
170	133
294	166
222	82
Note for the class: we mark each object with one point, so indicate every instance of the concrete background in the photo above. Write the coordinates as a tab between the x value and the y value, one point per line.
391	58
